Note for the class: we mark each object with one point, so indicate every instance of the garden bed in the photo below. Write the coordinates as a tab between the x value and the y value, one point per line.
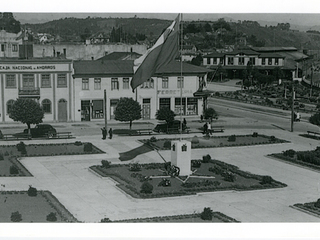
217	217
310	208
9	154
209	176
216	141
309	159
33	208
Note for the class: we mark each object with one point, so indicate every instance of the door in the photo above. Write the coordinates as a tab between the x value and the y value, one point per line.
62	110
113	105
85	110
146	108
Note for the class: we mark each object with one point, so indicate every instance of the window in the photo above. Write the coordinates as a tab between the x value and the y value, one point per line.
62	80
97	83
114	84
9	105
276	61
230	60
45	81
221	60
3	47
148	84
28	80
214	60
241	60
263	61
85	83
14	48
192	106
46	106
11	80
125	83
178	107
269	61
165	82
180	82
164	103
253	60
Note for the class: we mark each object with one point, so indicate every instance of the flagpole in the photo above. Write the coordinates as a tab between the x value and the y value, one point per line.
181	45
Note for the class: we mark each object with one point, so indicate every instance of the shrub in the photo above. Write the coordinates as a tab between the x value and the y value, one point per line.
52	217
164	183
229	176
255	134
272	138
105	220
87	147
195	140
206	214
146	187
14	170
153	139
289	153
16	217
167	144
105	164
78	143
21	147
232	138
195	163
317	203
135	167
266	180
206	158
32	192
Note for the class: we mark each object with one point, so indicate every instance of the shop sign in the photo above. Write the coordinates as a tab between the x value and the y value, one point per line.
33	67
173	92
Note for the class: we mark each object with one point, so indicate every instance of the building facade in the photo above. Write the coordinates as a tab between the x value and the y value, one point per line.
48	81
9	43
91	78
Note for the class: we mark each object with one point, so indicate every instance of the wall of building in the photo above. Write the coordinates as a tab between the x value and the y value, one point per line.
84	51
9	45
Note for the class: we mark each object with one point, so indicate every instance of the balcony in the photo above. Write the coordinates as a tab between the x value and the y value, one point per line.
29	92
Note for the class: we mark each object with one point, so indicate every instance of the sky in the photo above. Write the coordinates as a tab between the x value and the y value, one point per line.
304	13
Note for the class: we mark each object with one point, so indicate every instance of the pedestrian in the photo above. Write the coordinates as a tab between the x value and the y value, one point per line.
184	122
209	128
201	118
205	128
110	133
104	133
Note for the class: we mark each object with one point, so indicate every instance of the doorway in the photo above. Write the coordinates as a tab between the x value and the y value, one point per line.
62	110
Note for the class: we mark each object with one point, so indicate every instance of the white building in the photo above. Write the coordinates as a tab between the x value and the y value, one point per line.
9	43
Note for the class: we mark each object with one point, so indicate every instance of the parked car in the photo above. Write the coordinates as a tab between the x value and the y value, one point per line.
42	130
169	127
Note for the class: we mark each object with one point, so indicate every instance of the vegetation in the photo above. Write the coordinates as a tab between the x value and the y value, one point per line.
127	110
9	23
210	114
26	111
206	214
165	114
16	217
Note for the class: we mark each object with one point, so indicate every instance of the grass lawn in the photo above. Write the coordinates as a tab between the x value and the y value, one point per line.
32	209
217	141
217	217
211	176
9	154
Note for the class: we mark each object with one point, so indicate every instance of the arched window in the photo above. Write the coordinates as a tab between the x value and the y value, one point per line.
46	105
9	105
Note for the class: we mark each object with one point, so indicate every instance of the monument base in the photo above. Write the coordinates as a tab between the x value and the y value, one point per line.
181	156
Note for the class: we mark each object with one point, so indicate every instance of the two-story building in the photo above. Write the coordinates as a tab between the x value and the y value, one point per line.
46	80
9	43
91	78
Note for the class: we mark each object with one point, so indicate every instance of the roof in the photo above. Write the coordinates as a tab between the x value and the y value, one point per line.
89	68
214	54
34	60
273	49
121	56
270	55
244	51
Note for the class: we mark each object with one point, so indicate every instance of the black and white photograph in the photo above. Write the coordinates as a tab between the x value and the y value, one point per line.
131	121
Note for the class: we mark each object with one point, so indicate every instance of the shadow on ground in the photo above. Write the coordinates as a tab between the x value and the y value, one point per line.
129	155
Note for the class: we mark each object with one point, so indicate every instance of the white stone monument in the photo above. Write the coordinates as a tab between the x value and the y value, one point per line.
181	156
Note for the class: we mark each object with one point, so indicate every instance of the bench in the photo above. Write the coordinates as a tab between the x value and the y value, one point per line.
60	135
175	130
314	133
216	129
141	132
8	137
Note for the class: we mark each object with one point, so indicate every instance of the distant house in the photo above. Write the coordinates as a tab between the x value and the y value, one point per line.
99	38
189	52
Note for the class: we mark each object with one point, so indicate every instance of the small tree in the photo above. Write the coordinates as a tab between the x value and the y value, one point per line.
165	114
32	192
127	110
52	217
26	111
206	214
209	114
146	187
16	217
315	119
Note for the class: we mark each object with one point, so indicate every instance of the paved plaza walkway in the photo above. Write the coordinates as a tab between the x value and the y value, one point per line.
90	197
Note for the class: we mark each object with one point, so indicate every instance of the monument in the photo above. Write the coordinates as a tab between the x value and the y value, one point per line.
181	156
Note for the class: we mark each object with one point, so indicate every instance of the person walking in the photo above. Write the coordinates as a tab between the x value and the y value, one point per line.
209	128
185	122
110	133
205	128
104	133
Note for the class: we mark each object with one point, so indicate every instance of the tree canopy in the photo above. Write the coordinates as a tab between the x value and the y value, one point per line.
210	113
26	111
165	114
127	110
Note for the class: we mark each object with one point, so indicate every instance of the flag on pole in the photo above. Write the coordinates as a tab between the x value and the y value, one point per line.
162	52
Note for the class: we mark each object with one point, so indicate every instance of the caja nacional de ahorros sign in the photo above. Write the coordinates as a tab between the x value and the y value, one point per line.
33	67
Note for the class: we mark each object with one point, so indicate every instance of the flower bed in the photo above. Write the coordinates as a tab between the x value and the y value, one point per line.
211	176
217	141
10	166
310	159
33	209
185	218
310	207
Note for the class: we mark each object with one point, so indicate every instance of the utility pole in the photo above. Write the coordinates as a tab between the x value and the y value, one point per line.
292	106
105	108
311	81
